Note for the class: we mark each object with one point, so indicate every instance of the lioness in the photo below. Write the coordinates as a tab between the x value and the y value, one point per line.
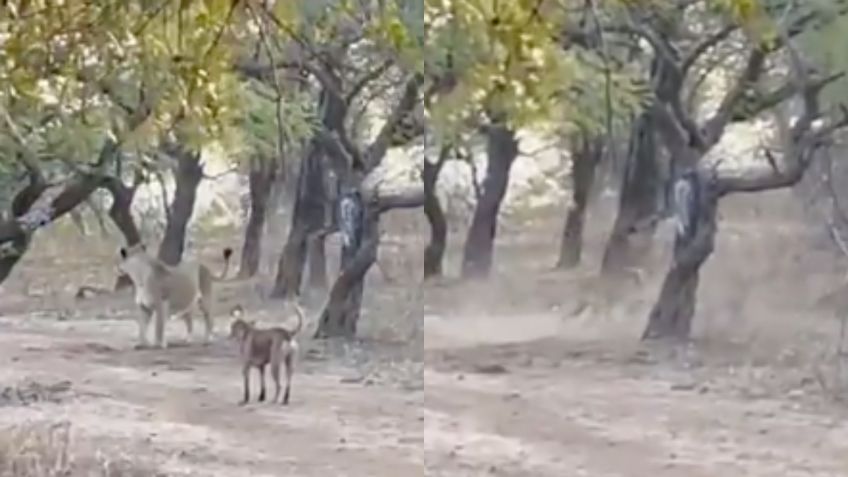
167	291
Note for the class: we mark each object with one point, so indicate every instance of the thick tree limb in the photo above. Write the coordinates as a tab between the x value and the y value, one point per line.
801	139
122	198
44	203
27	196
773	98
407	200
52	204
790	176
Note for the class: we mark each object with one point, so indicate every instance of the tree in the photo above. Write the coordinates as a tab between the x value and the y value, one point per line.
188	172
317	42
679	63
105	67
697	187
435	250
509	66
311	201
587	149
337	46
501	149
261	176
278	117
637	206
360	229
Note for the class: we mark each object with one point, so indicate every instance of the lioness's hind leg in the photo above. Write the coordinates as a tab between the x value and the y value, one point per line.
188	319
143	324
275	375
162	314
207	319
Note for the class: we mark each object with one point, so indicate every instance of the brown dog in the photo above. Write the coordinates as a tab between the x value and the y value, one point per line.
259	347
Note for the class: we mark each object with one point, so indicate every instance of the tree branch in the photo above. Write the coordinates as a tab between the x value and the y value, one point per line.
377	150
341	158
407	200
27	157
366	79
714	127
771	99
703	47
322	70
802	140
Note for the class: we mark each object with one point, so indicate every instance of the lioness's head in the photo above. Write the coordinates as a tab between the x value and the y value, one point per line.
134	260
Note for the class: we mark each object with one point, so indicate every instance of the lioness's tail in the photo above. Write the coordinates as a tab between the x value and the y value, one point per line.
228	253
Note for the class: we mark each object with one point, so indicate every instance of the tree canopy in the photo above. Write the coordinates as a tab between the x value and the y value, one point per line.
132	70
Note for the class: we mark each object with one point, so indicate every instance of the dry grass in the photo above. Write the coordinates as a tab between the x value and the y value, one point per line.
47	449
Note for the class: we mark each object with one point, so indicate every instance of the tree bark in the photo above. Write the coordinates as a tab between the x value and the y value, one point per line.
341	315
120	212
18	245
310	206
435	251
637	201
316	252
586	157
359	223
502	149
189	173
262	175
672	314
307	217
29	215
360	231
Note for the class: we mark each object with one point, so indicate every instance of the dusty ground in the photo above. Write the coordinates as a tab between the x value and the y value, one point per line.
531	375
177	409
554	409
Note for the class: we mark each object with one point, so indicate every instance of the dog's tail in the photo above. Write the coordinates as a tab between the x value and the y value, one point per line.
300	319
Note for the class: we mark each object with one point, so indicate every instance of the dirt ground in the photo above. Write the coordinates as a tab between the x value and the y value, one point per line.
534	374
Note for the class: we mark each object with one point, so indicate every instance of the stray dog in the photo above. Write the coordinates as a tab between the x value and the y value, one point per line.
259	347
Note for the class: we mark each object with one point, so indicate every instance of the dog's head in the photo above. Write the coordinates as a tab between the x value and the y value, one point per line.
239	329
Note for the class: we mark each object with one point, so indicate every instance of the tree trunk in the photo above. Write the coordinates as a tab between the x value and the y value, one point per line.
435	251
310	205
18	245
189	173
637	201
341	315
502	149
307	217
262	176
672	314
316	254
120	213
587	155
